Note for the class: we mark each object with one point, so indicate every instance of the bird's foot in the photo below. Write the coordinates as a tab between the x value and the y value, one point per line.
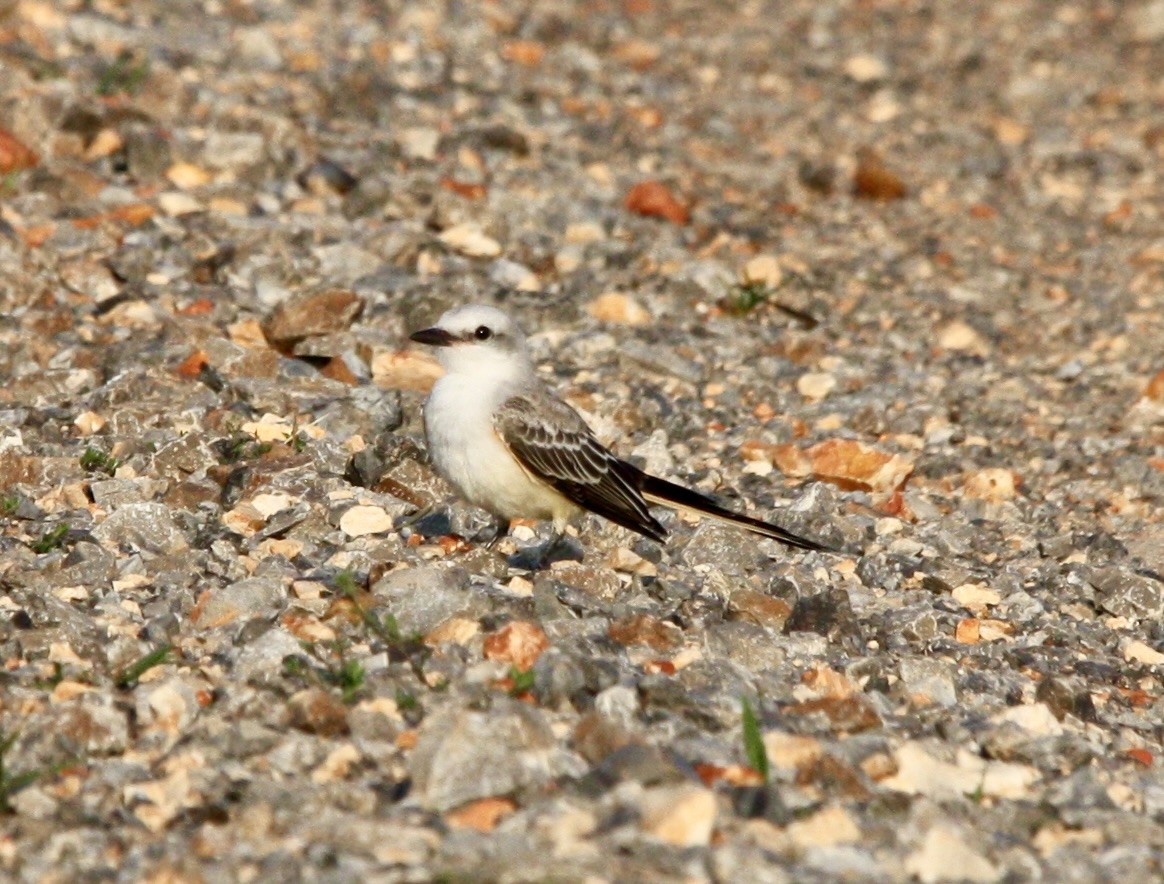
419	515
559	548
492	535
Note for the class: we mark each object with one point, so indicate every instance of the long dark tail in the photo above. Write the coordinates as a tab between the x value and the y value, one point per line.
658	490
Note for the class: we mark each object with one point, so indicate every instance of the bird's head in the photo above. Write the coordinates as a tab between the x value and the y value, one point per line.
477	339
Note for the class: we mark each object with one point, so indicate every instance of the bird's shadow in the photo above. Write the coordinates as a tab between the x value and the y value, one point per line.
539	556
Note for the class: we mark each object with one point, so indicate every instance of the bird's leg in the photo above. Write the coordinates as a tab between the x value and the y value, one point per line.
497	531
560	548
421	513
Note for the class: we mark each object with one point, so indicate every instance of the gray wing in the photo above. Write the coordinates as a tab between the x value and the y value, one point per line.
552	441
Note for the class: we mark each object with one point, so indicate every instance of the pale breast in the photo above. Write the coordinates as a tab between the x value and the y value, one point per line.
467	452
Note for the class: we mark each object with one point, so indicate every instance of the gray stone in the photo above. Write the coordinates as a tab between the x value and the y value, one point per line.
144	528
424	597
464	755
929	677
1129	595
253	597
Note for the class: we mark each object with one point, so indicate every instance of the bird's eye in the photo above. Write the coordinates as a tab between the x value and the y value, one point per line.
483	333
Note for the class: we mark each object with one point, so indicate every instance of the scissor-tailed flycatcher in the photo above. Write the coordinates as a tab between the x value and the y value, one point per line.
512	447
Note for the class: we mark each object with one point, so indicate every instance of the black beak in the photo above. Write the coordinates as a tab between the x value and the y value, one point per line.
434	337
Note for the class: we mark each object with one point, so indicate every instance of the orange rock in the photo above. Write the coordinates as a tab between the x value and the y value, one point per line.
405	370
654	200
193	364
643	629
35	237
14	155
647	117
306	627
464	189
312	313
790	460
617	307
316	711
1142	756
967	631
527	53
1010	132
993	630
848	714
483	814
681	815
638	54
855	465
338	370
825	682
1155	388
733	774
133	214
519	643
759	608
457	630
993	484
198	307
874	181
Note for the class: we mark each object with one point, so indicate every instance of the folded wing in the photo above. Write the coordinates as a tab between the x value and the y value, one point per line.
553	443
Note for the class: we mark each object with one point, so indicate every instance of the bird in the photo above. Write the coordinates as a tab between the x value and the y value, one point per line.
507	444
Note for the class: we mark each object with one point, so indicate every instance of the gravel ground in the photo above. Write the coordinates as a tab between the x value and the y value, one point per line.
890	273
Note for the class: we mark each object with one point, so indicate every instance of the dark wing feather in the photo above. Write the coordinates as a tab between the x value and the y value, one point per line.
659	490
551	441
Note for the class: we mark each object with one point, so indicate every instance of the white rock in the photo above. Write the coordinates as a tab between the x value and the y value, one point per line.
584	232
258	45
362	520
919	773
269	428
944	856
1148	22
513	275
244	519
233	150
758	467
87	423
957	335
617	307
631	563
11	438
1036	718
791	751
468	239
832	825
681	815
866	68
337	765
882	107
419	143
815	384
762	270
269	504
187	176
568	259
975	596
405	370
175	203
1138	652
